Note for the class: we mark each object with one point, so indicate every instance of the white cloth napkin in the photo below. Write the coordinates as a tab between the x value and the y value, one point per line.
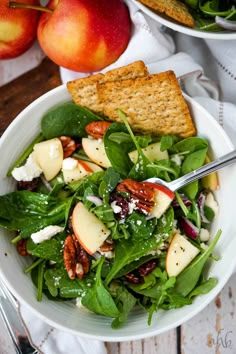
207	72
49	340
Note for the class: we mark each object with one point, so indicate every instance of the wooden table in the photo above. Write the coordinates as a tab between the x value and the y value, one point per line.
214	329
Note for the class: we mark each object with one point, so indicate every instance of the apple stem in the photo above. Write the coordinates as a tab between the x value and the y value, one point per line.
19	5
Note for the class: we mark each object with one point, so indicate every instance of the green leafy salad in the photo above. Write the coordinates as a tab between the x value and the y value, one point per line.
207	12
95	232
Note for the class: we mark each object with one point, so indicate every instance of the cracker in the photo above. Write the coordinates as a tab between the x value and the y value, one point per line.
172	8
84	91
153	104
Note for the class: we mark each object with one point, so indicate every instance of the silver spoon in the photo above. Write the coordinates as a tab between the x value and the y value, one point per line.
9	311
210	167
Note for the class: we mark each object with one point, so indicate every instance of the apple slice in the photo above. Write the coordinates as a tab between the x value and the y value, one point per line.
49	156
210	181
152	152
162	199
95	150
74	169
90	166
180	253
89	230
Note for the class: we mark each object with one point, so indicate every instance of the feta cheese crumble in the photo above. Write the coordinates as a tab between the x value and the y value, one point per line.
28	171
46	234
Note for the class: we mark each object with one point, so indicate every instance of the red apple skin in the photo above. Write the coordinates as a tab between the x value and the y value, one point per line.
85	35
18	29
161	188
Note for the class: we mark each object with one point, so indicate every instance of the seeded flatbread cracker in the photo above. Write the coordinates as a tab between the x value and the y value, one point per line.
84	91
171	8
153	104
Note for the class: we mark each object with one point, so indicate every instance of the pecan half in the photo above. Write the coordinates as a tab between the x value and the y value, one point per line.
76	260
97	129
140	191
68	144
108	245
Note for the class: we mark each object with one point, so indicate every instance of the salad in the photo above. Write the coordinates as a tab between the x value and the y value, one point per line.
213	15
95	232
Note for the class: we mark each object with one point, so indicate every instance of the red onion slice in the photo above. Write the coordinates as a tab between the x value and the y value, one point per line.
201	203
94	199
226	24
189	228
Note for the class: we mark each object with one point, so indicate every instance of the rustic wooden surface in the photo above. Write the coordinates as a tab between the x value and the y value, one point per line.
211	331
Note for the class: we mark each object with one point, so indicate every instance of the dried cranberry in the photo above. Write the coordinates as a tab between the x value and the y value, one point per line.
28	185
122	203
134	278
147	268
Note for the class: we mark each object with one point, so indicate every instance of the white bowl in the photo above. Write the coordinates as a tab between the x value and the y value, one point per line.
226	35
66	316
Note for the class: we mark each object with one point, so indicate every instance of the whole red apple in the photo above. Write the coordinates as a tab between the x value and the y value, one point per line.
84	35
18	29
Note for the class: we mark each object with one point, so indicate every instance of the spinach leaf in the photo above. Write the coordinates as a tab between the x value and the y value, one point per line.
126	251
116	152
67	119
135	264
98	299
167	141
188	278
189	145
193	161
59	284
139	227
204	287
30	211
50	249
125	302
108	183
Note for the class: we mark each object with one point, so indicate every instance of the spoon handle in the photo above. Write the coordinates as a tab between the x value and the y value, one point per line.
210	167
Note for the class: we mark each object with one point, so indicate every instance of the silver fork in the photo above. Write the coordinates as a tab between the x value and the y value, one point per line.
9	311
210	167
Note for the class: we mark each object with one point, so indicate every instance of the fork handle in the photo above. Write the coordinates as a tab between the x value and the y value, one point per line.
11	318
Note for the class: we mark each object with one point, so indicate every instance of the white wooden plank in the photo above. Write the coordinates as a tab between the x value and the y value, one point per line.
214	329
163	344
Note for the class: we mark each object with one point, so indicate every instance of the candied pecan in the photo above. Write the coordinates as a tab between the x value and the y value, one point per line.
141	192
75	258
28	185
147	268
21	247
68	144
97	129
108	245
